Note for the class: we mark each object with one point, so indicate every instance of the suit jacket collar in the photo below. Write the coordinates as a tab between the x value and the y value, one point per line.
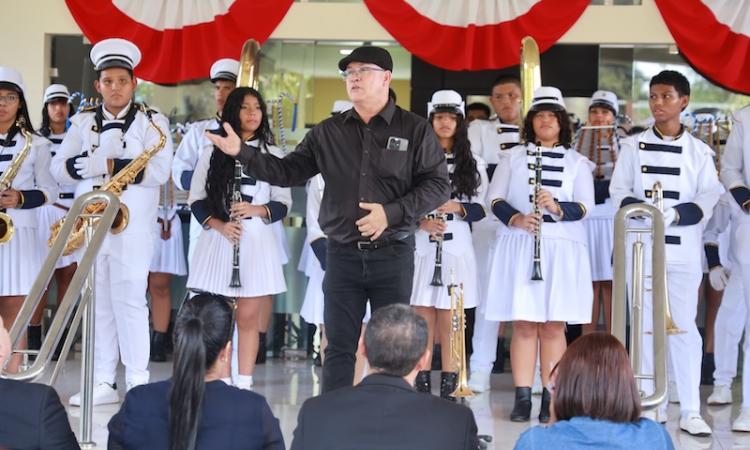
384	379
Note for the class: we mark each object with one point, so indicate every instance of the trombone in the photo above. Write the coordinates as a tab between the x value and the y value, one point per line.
663	324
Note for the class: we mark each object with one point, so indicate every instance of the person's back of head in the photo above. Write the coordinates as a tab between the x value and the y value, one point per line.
203	329
594	379
395	340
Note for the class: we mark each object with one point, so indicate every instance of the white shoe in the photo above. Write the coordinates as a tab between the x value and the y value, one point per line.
245	382
479	381
103	394
672	393
695	425
742	423
656	414
722	395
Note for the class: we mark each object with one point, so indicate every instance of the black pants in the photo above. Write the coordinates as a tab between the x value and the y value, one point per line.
382	276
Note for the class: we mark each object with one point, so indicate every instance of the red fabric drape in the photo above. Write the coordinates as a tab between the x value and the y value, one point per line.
475	47
711	47
175	55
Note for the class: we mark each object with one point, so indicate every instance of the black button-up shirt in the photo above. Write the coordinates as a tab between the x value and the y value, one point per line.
395	160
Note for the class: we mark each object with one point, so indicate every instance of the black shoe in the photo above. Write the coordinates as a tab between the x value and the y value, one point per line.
522	406
423	383
448	381
437	360
58	349
262	350
34	337
158	346
707	369
499	366
544	410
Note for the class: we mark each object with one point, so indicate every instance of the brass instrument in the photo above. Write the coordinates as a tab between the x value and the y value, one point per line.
247	77
458	340
116	185
662	321
437	274
531	79
6	222
714	131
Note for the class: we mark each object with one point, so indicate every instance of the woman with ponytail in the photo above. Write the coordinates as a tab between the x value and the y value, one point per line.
195	409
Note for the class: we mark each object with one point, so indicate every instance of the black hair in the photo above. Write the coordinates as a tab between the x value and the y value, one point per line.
221	167
203	327
674	79
480	106
466	178
23	109
395	339
45	129
505	79
566	129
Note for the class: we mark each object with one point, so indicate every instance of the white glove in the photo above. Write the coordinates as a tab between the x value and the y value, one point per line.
91	166
718	277
669	216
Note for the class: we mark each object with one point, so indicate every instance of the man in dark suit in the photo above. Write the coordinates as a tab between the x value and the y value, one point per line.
384	411
31	415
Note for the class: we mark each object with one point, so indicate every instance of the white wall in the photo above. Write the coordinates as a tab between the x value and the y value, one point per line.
27	25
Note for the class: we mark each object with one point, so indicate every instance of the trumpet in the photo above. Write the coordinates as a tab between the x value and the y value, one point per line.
6	222
458	340
437	274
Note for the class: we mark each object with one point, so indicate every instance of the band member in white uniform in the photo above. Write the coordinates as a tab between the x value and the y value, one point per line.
224	77
55	114
168	260
684	166
248	222
735	175
491	139
547	169
101	142
32	187
444	234
600	145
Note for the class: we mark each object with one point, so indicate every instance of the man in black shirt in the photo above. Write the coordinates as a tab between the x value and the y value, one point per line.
383	169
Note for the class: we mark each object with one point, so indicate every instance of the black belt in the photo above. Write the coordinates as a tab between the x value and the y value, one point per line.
367	245
446	237
66	195
446	217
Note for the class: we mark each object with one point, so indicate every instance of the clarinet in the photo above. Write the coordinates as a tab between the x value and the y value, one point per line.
236	197
437	275
537	273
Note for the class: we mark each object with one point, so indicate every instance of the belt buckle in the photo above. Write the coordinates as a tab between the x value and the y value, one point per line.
364	245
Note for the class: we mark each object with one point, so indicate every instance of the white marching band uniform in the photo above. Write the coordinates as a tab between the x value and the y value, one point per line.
491	140
21	256
735	175
312	304
685	168
121	276
261	260
565	294
169	254
458	260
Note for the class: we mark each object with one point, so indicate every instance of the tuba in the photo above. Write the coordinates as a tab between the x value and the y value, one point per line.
531	79
6	222
116	185
247	77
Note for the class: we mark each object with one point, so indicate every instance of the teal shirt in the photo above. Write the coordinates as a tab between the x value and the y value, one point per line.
586	433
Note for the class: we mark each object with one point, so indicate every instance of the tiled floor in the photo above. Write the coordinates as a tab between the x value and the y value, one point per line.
286	384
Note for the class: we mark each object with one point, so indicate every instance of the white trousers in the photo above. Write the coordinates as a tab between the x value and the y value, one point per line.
685	350
484	344
730	323
121	309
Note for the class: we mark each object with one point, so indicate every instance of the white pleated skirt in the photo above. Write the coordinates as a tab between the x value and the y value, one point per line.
169	255
20	262
600	237
47	216
261	271
312	304
464	271
565	293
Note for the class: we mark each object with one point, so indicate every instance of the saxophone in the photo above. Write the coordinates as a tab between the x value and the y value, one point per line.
115	185
6	222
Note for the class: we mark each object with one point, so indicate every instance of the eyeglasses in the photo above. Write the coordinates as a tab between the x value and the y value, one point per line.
10	98
348	73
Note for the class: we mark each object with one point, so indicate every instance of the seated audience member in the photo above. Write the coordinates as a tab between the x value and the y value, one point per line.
31	415
195	409
384	411
595	402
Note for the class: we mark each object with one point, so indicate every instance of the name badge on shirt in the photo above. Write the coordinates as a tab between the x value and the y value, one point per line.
396	143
